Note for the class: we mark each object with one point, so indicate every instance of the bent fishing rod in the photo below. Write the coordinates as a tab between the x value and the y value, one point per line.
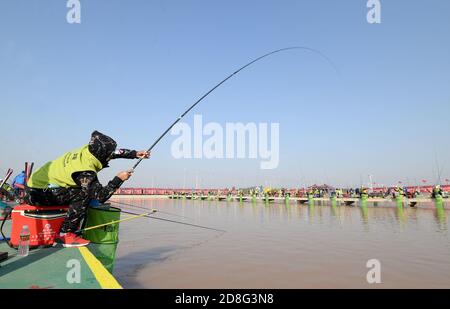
227	78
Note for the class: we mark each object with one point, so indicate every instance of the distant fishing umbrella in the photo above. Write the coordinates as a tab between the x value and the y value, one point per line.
227	78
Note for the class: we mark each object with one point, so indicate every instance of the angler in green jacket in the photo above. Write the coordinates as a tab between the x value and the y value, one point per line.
72	180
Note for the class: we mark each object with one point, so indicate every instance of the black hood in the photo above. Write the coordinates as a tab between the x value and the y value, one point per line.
102	146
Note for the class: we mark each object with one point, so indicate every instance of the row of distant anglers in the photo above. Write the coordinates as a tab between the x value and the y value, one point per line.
349	197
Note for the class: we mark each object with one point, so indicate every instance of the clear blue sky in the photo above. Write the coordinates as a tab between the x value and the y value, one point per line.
131	67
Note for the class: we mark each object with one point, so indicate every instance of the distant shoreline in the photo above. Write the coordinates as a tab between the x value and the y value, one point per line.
420	202
134	196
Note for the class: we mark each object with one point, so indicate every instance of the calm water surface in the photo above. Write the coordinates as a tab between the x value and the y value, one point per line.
280	246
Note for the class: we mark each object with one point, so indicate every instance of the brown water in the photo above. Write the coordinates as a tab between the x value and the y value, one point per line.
279	246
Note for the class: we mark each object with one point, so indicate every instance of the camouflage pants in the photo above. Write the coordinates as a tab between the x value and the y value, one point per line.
77	199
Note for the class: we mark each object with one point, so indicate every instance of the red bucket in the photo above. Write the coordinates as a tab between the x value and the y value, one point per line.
44	223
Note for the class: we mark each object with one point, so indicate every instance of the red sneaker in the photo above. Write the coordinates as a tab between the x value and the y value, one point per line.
70	240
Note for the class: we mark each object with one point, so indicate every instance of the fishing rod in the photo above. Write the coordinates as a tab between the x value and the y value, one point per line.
135	206
8	174
136	216
227	78
439	170
184	223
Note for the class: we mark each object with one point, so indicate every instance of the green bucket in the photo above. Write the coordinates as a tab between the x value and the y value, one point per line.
108	234
105	253
104	240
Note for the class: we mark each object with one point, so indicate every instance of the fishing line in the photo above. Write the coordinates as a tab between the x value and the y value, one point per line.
144	208
227	78
184	223
136	216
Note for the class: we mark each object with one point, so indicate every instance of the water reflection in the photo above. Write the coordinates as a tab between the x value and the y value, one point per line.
440	215
334	209
311	208
364	214
395	214
400	213
300	211
240	257
105	253
364	210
